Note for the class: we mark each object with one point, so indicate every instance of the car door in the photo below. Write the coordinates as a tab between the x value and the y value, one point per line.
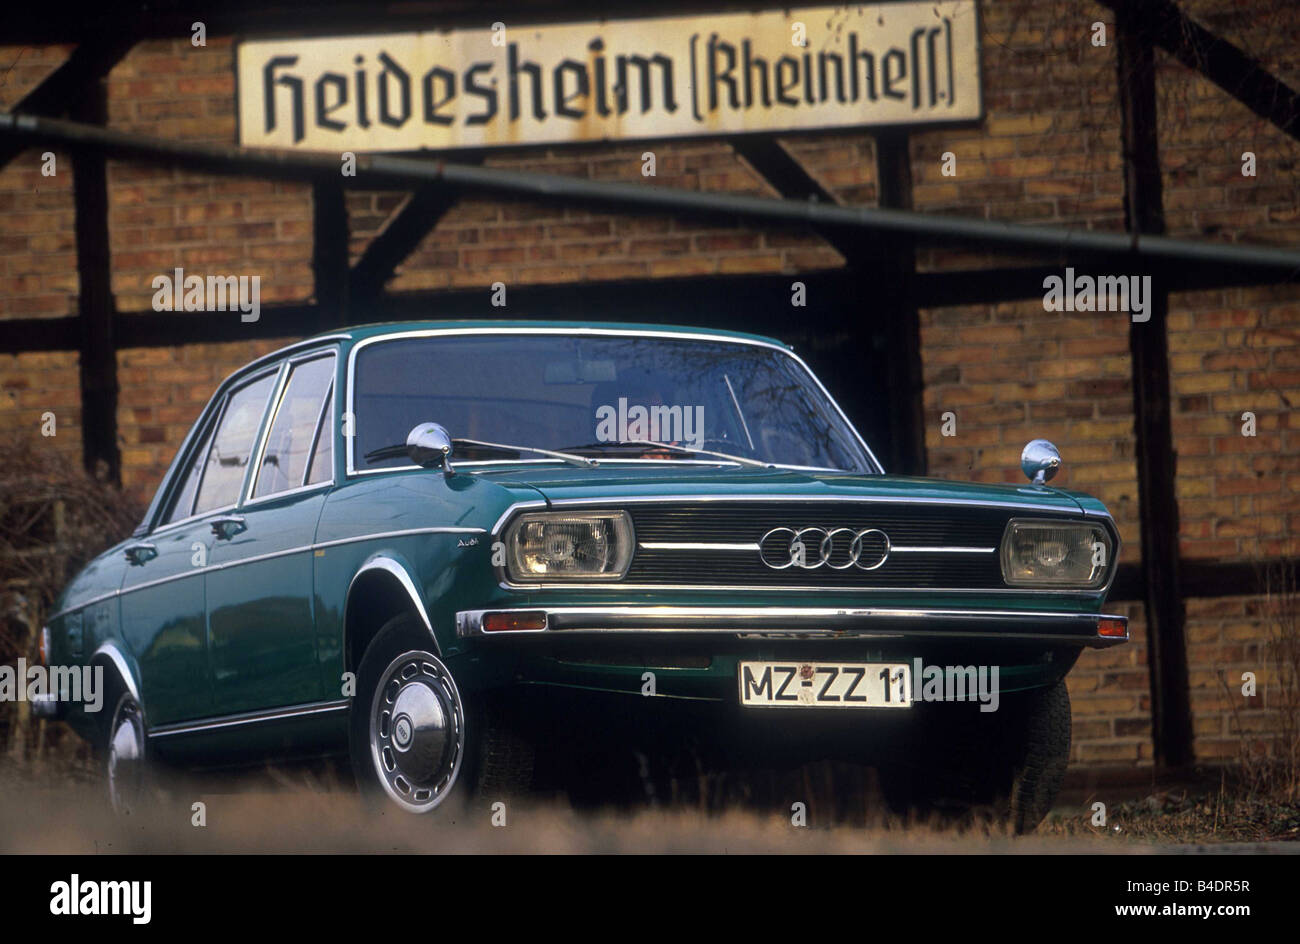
261	626
163	605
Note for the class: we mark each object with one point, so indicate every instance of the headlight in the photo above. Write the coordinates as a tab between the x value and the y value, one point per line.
1055	553
563	546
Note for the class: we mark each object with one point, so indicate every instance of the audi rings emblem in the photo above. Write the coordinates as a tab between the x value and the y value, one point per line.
836	548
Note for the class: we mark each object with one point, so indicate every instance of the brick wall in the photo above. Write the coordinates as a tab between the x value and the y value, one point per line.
1048	152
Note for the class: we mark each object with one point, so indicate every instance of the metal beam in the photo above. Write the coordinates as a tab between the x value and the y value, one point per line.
557	189
1155	456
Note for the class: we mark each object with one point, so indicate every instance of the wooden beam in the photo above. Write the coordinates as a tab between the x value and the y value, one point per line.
895	302
329	256
1204	579
98	354
1227	66
1156	460
403	232
86	65
771	161
931	290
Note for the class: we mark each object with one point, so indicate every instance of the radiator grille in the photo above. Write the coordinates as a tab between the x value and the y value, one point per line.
908	526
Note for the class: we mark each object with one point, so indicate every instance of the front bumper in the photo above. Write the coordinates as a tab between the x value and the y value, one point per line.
1052	627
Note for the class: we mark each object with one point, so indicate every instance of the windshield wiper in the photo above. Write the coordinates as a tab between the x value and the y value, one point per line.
687	450
399	450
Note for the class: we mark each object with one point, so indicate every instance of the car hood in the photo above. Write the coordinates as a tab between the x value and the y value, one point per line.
673	480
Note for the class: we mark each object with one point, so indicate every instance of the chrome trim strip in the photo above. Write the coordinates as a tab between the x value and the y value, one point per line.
349	465
796	499
319	428
377	536
291	349
251	717
942	550
258	455
620	501
112	594
114	654
192	519
391	566
931	591
689	546
739	619
287	493
704	546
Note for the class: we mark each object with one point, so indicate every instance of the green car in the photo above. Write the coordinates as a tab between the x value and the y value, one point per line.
407	542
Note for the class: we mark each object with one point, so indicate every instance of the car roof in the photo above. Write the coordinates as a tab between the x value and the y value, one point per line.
360	332
355	333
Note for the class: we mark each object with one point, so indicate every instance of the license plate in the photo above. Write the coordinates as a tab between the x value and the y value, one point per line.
826	684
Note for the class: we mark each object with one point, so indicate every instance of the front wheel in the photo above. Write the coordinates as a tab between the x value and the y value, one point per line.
1007	764
416	741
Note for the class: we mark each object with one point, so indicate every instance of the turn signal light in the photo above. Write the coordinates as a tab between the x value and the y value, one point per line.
1114	627
516	621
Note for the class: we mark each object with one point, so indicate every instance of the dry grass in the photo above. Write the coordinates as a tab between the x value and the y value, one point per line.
314	809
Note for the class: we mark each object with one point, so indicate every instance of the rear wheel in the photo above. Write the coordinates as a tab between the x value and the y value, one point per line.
417	741
123	757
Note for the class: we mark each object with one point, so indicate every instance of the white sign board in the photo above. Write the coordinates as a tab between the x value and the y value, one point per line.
662	77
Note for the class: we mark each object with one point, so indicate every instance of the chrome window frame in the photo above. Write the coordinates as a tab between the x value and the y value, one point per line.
268	420
351	471
150	523
222	401
244	383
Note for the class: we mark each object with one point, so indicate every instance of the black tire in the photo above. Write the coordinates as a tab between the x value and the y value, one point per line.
467	755
1006	765
123	756
1044	752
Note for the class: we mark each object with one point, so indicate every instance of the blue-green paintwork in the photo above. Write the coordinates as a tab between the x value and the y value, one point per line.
228	639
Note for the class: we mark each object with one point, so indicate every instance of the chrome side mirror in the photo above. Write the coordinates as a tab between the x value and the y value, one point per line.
1040	461
429	445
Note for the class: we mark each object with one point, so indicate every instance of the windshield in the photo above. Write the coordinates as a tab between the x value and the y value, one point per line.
603	396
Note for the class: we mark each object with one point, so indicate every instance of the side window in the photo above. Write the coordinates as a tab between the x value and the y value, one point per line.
223	472
183	504
322	460
288	444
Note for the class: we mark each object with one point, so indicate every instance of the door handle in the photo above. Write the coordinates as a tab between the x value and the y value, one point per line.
139	553
227	526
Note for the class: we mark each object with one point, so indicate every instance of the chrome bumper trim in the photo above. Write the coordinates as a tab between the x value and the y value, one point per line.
881	622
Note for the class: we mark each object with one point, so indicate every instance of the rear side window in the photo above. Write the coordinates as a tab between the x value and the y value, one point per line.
183	504
293	430
223	472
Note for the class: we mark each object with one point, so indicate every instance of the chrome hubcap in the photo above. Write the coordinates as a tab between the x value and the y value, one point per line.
126	758
417	731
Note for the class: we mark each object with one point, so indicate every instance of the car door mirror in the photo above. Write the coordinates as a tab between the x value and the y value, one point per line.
429	446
